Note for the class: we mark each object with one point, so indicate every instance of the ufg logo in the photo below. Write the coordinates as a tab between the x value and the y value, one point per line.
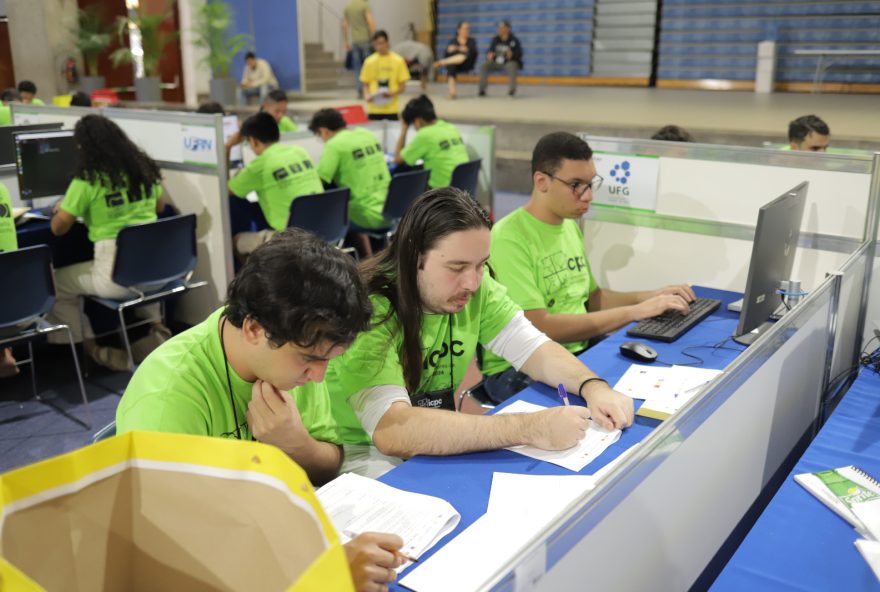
620	176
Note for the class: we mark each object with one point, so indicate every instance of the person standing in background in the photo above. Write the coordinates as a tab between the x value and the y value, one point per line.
385	74
358	27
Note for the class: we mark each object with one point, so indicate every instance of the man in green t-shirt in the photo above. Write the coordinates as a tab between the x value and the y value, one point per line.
279	174
353	158
9	95
394	388
254	368
538	253
28	92
8	242
275	104
437	142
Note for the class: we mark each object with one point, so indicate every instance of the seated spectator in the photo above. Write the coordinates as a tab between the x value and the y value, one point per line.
385	75
80	99
808	133
275	104
437	142
418	57
211	107
28	92
257	79
505	53
673	133
10	95
461	55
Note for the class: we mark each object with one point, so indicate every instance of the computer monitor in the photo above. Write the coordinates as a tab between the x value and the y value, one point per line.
7	145
45	163
776	239
230	128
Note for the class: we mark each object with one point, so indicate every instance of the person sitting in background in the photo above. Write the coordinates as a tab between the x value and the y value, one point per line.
275	104
279	174
10	95
808	133
672	133
358	27
115	184
353	158
255	369
28	92
257	79
8	242
461	55
505	53
436	142
418	58
385	74
211	107
80	99
538	254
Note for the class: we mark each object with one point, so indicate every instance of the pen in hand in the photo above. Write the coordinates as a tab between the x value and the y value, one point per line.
563	395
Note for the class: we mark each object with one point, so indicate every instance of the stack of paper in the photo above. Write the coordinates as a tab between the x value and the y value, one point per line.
357	504
665	390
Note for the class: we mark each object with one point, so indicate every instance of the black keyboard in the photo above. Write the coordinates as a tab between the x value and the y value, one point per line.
672	324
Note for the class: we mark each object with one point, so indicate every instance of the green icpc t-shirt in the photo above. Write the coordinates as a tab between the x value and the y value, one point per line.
181	387
543	266
36	101
286	124
279	174
375	358
353	158
5	115
107	210
8	238
441	147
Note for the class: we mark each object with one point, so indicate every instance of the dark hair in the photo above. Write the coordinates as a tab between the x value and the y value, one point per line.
301	290
27	86
393	273
673	133
276	96
249	55
261	127
800	128
421	107
380	34
506	23
330	119
108	157
80	99
10	94
458	26
211	107
553	148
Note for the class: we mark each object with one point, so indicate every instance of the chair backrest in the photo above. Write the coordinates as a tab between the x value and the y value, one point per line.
353	114
403	190
325	214
466	176
152	254
29	289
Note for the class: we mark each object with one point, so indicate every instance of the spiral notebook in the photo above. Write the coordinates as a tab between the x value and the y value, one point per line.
842	489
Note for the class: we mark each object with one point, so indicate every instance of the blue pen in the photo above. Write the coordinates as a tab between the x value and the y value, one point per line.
563	395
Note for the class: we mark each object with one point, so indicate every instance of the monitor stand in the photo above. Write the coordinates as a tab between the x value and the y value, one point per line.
750	337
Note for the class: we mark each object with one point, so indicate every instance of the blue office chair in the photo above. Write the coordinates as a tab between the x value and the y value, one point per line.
466	176
154	260
402	192
23	306
325	214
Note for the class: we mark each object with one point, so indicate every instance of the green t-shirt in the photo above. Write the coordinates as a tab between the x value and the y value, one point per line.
374	359
279	175
286	124
543	266
356	17
181	388
441	147
5	115
36	101
8	238
353	158
107	210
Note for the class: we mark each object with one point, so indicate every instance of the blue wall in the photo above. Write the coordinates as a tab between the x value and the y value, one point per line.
273	27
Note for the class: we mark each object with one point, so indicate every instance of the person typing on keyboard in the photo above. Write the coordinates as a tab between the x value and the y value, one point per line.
538	254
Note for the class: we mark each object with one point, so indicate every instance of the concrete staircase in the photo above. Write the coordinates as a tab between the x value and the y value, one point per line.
323	71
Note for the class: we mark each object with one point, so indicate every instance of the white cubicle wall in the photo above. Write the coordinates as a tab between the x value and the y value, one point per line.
190	151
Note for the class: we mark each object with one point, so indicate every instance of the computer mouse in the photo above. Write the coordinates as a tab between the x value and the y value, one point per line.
638	351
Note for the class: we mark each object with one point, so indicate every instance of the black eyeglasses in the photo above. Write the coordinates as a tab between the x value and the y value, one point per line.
578	187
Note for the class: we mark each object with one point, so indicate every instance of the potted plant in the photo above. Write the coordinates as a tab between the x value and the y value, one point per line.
93	35
213	20
147	29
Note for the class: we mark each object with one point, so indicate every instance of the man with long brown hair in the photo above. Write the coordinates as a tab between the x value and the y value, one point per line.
433	304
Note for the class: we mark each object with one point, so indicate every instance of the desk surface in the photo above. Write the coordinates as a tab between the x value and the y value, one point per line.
465	480
798	543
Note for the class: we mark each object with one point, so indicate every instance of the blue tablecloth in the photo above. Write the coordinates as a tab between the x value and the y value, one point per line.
798	543
465	480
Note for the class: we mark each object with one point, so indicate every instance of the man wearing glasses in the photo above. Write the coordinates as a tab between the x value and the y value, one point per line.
538	253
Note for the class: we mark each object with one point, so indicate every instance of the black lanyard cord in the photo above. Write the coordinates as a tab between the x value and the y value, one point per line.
229	380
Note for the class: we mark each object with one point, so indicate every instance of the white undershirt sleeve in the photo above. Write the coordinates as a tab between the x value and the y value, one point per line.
517	341
370	404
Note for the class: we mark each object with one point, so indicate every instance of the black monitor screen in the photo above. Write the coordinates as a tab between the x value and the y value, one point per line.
45	162
7	144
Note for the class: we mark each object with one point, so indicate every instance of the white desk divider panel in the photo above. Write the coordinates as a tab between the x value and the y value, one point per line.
32	114
871	313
